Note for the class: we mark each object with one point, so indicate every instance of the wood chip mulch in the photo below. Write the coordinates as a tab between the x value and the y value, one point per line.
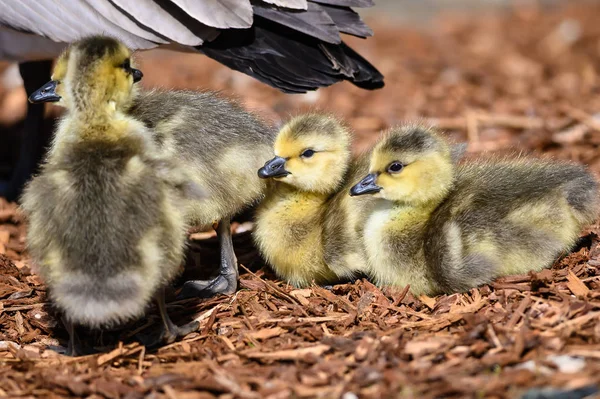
526	80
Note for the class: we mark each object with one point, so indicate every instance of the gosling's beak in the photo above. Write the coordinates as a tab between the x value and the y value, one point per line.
45	94
137	75
273	168
366	186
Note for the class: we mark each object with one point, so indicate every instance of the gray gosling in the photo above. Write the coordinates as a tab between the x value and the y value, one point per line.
312	159
106	215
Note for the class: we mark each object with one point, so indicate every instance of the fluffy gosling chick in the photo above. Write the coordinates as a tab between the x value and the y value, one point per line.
446	228
106	215
312	156
219	143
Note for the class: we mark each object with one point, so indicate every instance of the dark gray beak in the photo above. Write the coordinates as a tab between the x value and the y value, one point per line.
273	168
137	75
366	186
45	94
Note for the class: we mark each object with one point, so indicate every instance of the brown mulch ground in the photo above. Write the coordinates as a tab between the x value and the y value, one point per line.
526	81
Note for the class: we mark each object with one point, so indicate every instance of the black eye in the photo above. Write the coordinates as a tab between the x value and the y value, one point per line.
307	153
395	167
126	64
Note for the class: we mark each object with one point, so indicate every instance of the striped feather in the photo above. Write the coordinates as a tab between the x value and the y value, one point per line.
111	13
221	14
149	14
50	17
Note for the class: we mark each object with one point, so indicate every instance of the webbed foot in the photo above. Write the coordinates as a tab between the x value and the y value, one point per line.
167	336
222	284
169	332
226	281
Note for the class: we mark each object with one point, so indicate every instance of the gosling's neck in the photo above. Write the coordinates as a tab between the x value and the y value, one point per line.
96	103
94	113
281	190
417	208
318	192
95	124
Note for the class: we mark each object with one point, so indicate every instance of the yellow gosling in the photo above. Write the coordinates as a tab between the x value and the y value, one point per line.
443	227
106	214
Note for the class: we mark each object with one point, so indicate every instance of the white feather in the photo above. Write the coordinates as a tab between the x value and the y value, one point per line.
64	21
295	4
109	12
219	13
152	15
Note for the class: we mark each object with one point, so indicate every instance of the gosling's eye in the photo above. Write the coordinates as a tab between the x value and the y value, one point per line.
126	64
395	167
307	153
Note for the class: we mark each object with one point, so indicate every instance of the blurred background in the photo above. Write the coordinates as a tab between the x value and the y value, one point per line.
504	75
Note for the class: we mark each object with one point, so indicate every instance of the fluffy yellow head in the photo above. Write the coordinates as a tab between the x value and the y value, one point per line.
56	91
95	74
410	164
312	154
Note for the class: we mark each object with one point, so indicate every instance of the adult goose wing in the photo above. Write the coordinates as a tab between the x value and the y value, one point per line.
294	4
294	45
63	21
347	21
313	21
298	51
223	14
347	3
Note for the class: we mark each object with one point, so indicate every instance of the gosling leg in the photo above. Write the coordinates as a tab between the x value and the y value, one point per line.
172	332
226	281
74	347
169	332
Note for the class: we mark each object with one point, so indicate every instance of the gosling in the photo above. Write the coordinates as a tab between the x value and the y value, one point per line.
106	214
312	160
219	143
441	227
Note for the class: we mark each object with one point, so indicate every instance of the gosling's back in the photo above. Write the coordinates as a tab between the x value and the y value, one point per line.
507	217
221	144
101	226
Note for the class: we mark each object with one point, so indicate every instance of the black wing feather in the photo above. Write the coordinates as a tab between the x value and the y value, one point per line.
348	21
289	60
293	50
314	21
364	74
